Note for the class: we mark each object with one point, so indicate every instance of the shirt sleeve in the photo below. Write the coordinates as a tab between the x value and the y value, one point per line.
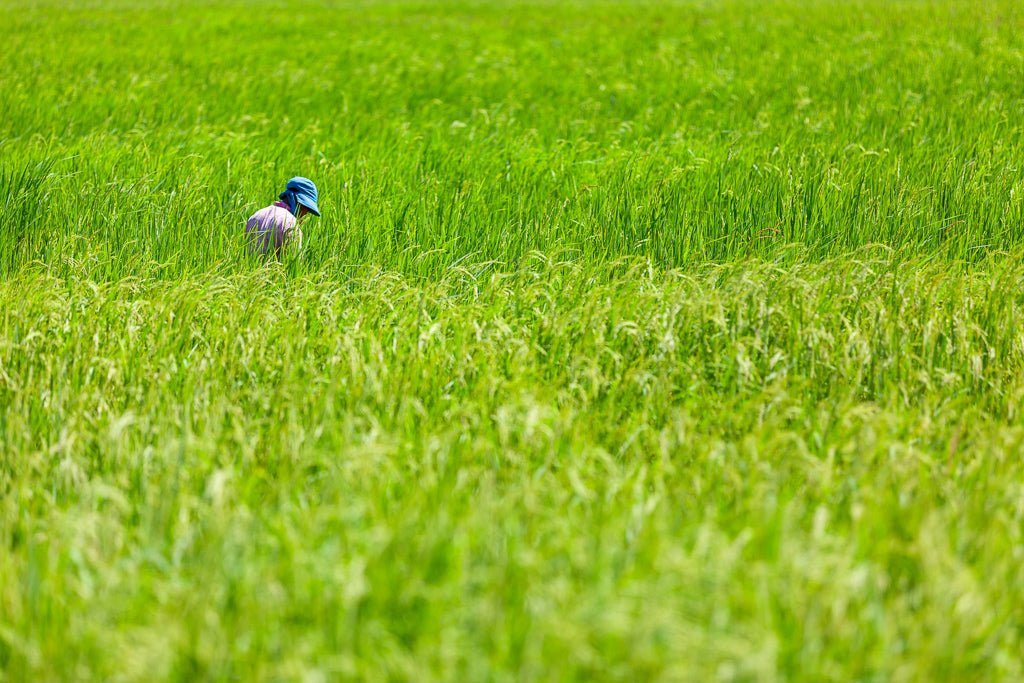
293	238
283	227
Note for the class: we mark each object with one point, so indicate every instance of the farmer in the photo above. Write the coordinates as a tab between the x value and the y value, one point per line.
274	228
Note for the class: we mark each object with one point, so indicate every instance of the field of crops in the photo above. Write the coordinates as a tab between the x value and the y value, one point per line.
637	341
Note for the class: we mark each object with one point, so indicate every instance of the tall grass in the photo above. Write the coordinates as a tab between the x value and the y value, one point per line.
638	341
482	131
558	472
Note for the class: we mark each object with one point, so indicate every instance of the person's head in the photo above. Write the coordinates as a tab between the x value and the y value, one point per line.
301	196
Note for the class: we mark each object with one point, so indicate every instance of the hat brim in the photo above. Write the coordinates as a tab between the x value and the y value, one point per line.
309	204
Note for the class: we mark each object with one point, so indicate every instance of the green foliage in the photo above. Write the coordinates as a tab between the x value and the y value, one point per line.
675	341
440	134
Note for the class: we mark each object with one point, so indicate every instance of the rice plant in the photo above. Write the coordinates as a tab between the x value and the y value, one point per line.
637	341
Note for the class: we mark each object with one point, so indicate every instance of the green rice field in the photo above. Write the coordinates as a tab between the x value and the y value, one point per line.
637	341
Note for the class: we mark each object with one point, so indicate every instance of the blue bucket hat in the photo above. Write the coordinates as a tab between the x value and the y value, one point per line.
300	191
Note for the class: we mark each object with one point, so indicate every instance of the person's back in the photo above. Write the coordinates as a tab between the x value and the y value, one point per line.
275	229
270	229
